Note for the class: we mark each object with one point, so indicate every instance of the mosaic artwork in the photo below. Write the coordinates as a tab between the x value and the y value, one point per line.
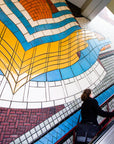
46	58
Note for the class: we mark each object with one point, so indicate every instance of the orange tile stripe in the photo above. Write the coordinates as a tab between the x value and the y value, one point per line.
39	9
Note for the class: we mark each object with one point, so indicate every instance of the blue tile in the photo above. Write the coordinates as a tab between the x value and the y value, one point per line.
66	73
84	64
1	73
60	13
77	69
60	4
41	77
54	75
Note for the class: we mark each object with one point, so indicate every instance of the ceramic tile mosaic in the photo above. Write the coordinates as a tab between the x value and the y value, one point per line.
45	48
46	60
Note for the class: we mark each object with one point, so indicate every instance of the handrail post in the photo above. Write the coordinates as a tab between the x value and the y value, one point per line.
107	106
74	136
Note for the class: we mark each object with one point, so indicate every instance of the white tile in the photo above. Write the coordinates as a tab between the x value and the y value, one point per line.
19	6
33	84
2	85
62	29
7	93
78	95
1	77
19	95
29	37
26	14
71	89
26	90
4	103
36	94
50	20
47	104
22	28
66	81
6	10
42	21
14	19
58	83
51	84
56	93
2	2
56	20
47	32
59	102
84	83
38	34
56	31
34	105
41	84
69	99
18	105
33	23
93	76
35	136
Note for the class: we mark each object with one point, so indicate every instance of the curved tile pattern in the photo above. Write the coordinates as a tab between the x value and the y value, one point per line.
45	55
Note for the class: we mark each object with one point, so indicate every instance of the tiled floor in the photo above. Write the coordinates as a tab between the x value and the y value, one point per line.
46	62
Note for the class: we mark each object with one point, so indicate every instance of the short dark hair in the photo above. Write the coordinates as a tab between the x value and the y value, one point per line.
85	94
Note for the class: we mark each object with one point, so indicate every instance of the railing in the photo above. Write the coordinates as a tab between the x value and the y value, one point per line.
73	130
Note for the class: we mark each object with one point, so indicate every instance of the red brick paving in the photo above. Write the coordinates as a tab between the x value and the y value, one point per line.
16	122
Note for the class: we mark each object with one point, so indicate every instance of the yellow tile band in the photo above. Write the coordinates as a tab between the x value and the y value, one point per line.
20	66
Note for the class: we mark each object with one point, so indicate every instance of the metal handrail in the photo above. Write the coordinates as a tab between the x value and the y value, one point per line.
72	131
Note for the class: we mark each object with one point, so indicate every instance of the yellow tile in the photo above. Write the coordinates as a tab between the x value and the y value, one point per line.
39	61
4	60
24	69
52	67
54	47
5	52
36	73
28	54
14	73
16	66
2	28
23	76
63	65
41	49
17	61
54	58
3	67
50	63
73	61
65	39
65	43
12	82
74	56
20	84
26	63
74	44
65	51
20	51
65	56
38	67
7	47
56	54
10	38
